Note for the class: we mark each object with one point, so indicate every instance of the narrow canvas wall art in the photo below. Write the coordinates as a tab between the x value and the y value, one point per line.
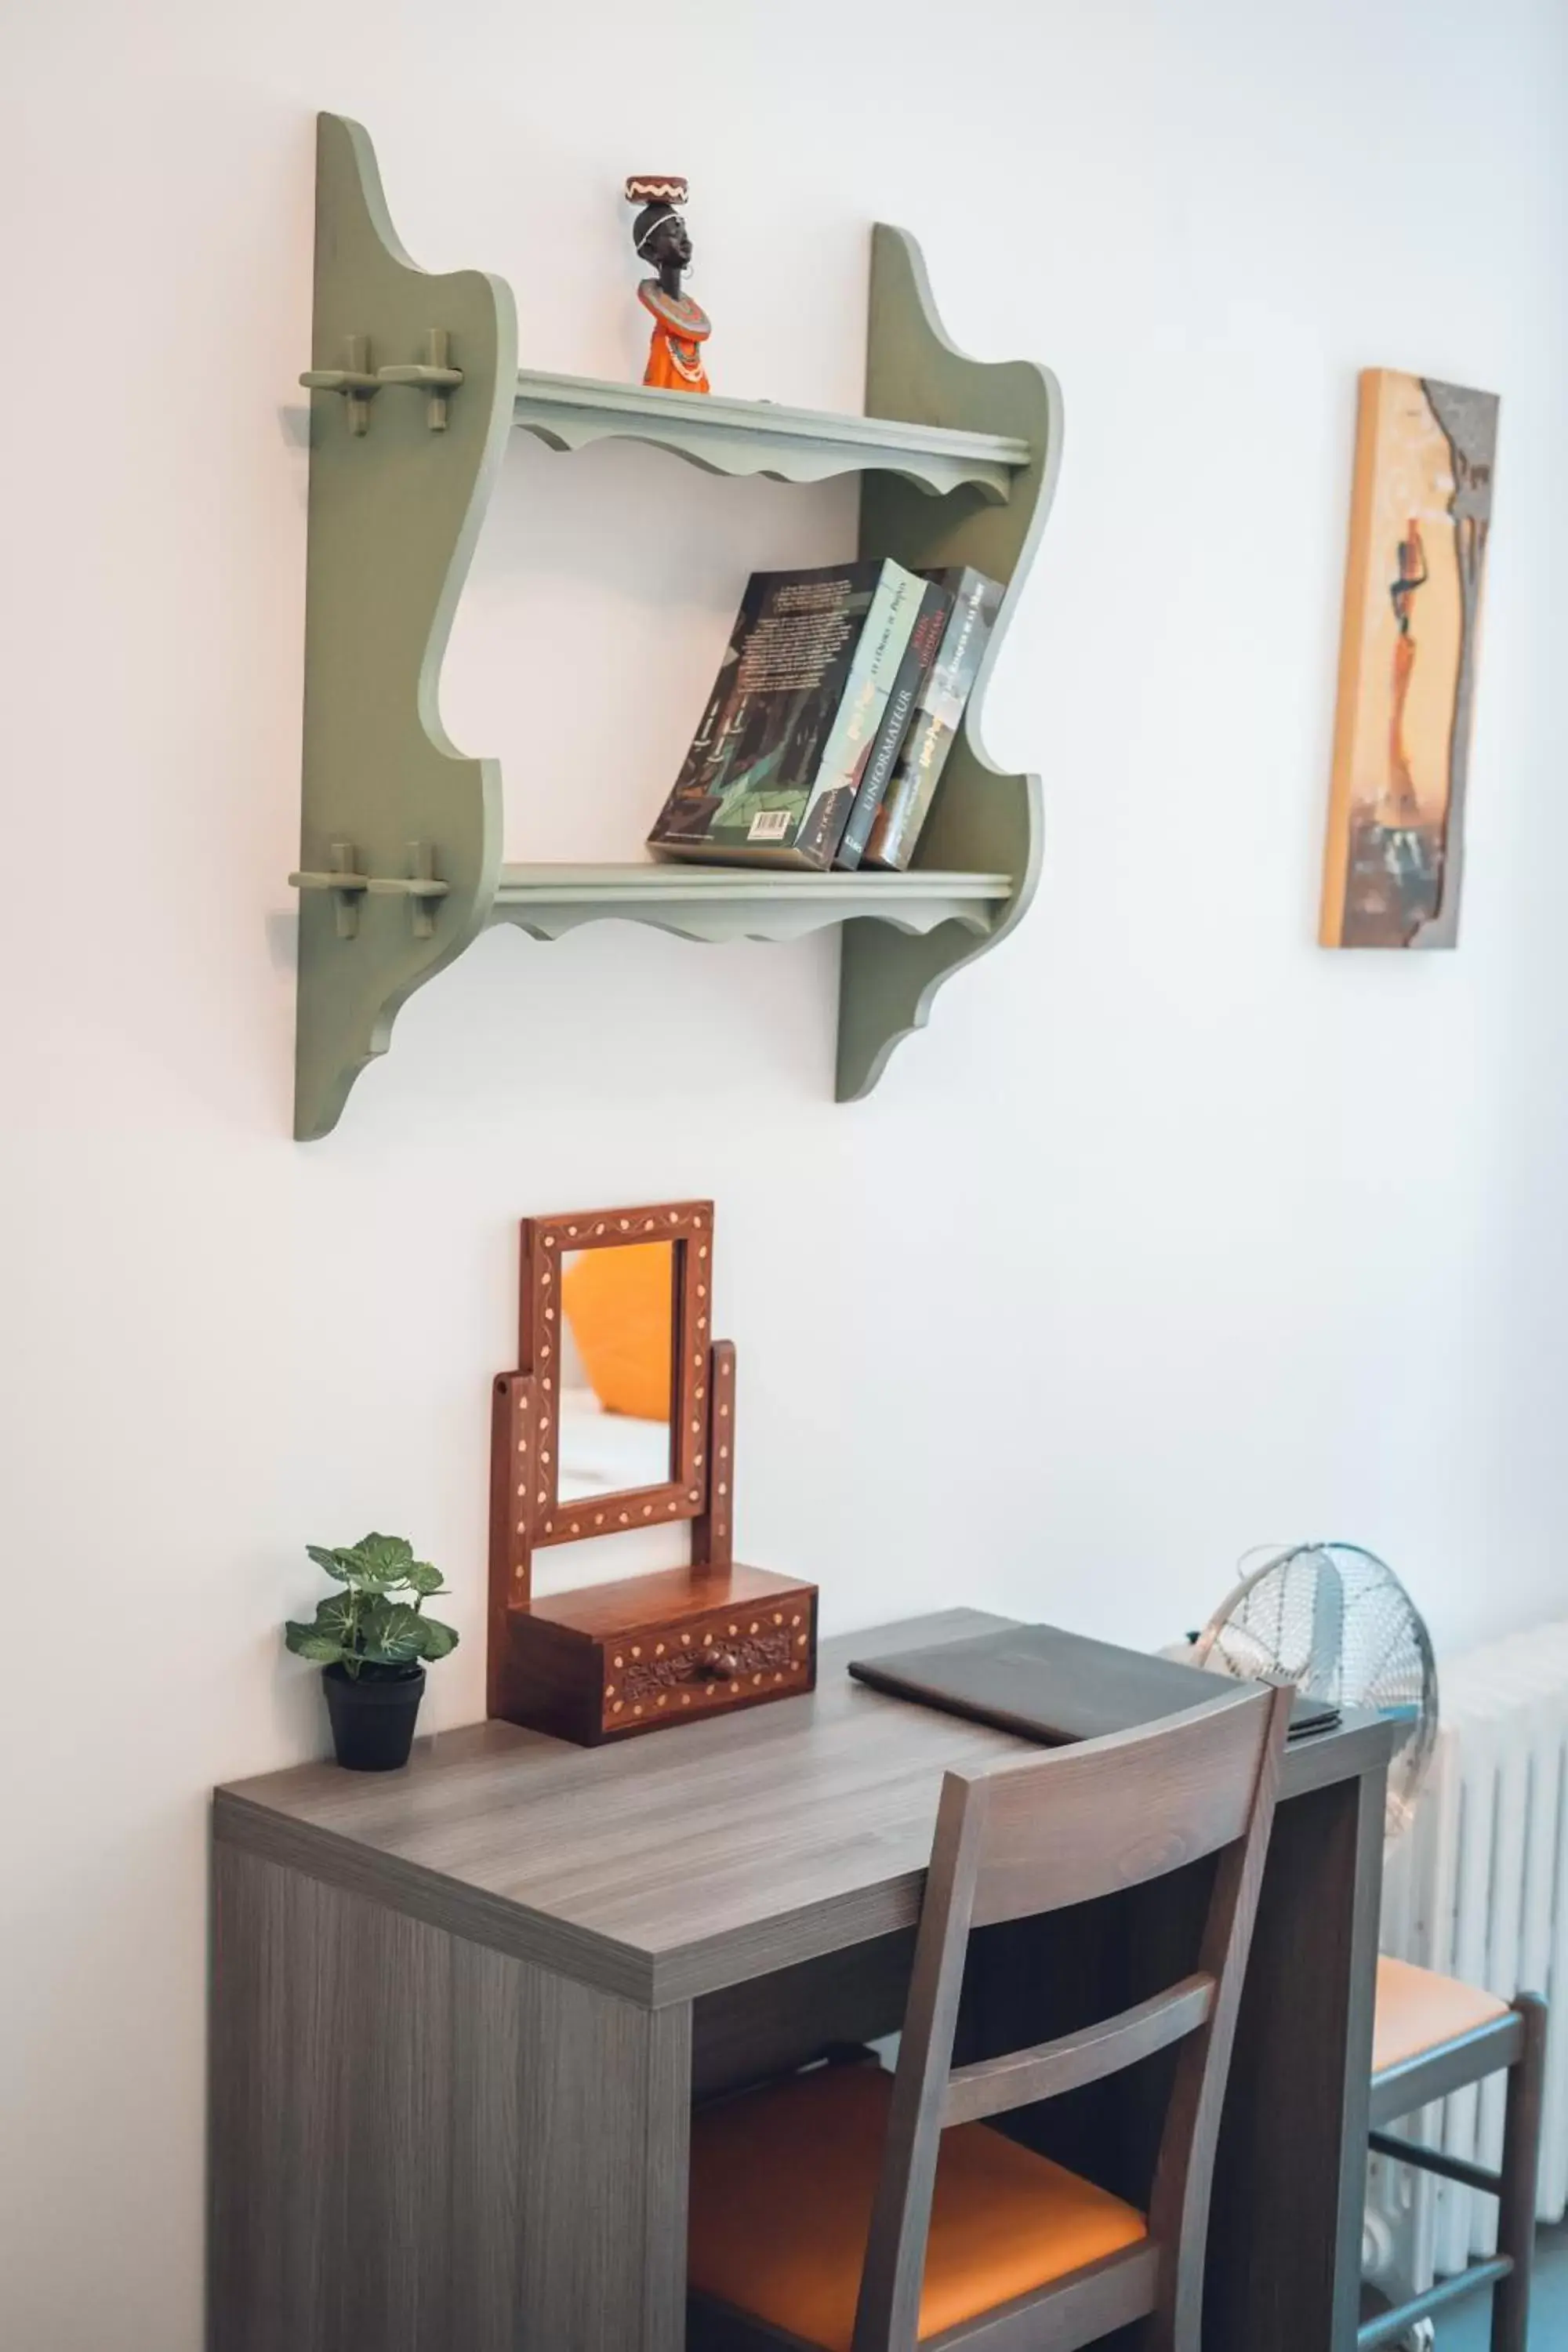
1419	522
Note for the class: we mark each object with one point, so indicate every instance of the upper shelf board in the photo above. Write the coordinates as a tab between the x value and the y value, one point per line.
732	902
757	437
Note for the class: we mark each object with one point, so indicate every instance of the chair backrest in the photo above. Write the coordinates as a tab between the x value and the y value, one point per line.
1053	1830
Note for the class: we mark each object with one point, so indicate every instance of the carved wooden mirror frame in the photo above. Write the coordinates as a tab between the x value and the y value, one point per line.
526	1515
547	1243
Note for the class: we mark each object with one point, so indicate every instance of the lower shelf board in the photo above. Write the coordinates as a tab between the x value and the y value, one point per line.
734	902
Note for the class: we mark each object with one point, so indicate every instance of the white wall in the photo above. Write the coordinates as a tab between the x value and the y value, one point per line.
1171	1235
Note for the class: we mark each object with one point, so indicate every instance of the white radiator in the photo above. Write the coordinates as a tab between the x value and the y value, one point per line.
1478	1889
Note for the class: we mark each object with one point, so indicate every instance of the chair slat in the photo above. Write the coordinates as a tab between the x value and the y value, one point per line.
995	2086
1083	1821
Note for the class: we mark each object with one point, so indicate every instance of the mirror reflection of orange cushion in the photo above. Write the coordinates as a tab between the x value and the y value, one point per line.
619	1304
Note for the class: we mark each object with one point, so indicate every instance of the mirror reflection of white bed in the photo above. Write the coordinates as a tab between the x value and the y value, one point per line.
606	1453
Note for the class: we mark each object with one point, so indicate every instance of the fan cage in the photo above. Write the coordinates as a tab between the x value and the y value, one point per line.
1336	1621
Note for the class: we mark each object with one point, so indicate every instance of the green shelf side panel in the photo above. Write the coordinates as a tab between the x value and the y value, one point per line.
982	820
395	511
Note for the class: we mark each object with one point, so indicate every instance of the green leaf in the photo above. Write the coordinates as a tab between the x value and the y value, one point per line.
308	1641
391	1634
333	1616
376	1564
437	1640
388	1557
336	1564
323	1650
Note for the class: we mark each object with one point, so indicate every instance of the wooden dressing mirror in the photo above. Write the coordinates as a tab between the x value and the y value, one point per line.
622	1415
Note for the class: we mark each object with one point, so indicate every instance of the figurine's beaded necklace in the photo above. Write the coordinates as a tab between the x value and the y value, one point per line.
686	328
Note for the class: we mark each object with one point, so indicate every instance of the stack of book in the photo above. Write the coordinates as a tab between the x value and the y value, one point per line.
837	704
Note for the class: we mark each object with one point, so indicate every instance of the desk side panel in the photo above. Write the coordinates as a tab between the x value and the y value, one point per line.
424	2144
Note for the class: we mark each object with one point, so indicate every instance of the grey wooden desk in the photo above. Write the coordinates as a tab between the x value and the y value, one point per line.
459	2013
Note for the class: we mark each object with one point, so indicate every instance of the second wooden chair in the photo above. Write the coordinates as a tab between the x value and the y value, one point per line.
846	2209
1433	2035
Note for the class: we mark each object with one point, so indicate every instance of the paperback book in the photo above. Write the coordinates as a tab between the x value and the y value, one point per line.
939	707
920	655
794	718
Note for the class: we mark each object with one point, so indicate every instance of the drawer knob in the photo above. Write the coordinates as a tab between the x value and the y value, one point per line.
718	1665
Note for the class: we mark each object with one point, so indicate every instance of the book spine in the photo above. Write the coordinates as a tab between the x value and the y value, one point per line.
907	802
884	640
920	654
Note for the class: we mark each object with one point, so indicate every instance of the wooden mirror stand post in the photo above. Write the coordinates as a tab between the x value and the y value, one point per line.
613	1659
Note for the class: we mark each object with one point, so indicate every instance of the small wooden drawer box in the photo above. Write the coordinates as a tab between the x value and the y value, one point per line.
694	1646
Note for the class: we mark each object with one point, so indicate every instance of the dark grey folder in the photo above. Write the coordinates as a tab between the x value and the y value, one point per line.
1055	1687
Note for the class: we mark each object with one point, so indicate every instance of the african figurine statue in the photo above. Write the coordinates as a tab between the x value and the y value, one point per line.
679	328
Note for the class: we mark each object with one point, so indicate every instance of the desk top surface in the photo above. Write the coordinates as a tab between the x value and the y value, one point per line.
669	1865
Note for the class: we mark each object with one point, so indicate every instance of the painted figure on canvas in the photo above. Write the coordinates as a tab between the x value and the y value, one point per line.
660	237
1424	455
1402	805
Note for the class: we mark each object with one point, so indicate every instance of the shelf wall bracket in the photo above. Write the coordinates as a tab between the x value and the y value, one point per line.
393	516
981	820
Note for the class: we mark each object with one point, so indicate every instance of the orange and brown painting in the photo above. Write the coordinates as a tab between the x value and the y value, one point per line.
1421	512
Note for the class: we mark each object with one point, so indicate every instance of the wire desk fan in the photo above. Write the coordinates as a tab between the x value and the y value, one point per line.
1336	1621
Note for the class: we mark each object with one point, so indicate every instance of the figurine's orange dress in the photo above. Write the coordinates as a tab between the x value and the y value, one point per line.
679	331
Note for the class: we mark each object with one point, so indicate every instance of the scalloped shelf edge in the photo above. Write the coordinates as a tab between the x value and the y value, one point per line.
744	438
713	905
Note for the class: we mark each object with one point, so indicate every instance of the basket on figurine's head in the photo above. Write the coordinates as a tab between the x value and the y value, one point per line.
658	193
680	328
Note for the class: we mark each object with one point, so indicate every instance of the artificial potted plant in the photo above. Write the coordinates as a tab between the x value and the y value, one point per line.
371	1640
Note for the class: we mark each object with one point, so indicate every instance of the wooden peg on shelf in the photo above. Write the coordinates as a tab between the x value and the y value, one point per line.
433	374
348	886
355	380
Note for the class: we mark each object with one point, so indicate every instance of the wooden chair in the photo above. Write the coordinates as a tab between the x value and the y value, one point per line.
1433	2035
846	2209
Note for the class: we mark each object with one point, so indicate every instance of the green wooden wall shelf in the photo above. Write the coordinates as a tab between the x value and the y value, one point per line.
414	387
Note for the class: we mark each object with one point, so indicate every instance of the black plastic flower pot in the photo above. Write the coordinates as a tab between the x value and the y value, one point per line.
372	1717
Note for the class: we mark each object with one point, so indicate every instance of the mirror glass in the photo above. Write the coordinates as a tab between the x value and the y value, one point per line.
618	1369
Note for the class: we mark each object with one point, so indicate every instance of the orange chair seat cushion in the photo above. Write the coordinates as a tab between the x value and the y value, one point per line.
620	1306
782	2182
1418	2011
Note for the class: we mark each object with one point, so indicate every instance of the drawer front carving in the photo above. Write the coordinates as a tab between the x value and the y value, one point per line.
730	1659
